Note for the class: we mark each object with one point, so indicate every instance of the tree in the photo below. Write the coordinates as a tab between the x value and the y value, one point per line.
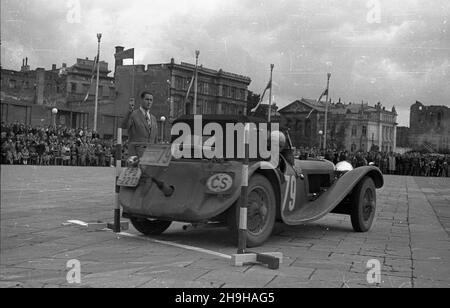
252	102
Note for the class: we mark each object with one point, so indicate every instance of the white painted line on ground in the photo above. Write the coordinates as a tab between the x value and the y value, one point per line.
193	248
77	222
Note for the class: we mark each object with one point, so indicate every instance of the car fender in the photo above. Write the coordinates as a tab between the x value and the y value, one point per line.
331	198
275	177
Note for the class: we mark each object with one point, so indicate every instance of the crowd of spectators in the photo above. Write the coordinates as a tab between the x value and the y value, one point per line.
26	145
412	163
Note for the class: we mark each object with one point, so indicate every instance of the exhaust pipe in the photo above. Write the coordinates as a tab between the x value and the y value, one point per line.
166	190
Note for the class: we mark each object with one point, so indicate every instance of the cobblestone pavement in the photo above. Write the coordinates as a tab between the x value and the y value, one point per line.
410	238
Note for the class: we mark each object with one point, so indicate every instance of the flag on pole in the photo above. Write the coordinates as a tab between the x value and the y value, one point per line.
269	85
191	83
310	113
93	74
323	94
126	54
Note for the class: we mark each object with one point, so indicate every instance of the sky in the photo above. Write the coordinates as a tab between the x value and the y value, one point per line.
395	52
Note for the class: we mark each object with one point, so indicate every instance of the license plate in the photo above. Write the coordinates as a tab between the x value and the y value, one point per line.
129	177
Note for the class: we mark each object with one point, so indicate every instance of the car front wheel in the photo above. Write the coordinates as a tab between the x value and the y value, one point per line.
363	205
260	212
150	227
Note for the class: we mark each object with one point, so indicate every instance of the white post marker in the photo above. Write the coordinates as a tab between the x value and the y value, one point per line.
117	226
272	260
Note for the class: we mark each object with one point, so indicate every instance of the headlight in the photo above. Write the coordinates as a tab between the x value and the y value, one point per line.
344	166
133	161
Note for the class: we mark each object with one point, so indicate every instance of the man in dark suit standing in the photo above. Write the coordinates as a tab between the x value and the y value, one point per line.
141	124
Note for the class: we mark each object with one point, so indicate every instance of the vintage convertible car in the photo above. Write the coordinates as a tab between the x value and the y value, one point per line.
157	189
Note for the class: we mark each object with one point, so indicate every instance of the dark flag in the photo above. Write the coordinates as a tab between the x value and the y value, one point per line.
323	94
126	54
269	85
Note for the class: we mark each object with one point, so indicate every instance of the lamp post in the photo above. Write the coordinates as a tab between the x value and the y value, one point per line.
169	99
99	37
163	121
320	138
54	113
197	53
326	113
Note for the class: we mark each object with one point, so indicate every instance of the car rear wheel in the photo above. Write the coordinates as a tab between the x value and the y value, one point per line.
363	205
260	212
150	227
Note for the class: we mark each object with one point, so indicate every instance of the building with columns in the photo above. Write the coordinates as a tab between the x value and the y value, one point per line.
350	127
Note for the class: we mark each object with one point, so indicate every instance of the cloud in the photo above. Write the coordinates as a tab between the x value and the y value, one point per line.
402	59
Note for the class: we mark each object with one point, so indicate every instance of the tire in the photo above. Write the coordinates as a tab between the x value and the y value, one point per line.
363	205
150	227
261	212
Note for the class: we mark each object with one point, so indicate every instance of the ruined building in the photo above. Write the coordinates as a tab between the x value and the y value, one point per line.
429	128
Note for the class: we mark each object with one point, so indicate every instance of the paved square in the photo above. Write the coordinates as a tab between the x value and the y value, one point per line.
410	239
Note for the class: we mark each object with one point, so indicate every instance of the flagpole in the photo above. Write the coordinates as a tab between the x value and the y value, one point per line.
132	81
197	53
270	93
99	37
326	113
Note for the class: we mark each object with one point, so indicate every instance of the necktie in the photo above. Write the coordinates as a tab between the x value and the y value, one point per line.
149	120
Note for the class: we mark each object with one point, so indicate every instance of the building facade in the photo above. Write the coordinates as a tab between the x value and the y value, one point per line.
350	127
219	92
79	112
28	96
429	128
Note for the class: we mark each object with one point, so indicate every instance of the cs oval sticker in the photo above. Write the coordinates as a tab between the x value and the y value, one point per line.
220	182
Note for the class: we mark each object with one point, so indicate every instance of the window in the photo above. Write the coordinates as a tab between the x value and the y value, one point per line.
106	92
224	91
111	92
73	87
188	108
178	83
206	88
12	84
299	128
354	129
233	93
364	131
233	109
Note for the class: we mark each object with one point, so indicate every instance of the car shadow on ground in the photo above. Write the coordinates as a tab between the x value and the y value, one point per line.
220	238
